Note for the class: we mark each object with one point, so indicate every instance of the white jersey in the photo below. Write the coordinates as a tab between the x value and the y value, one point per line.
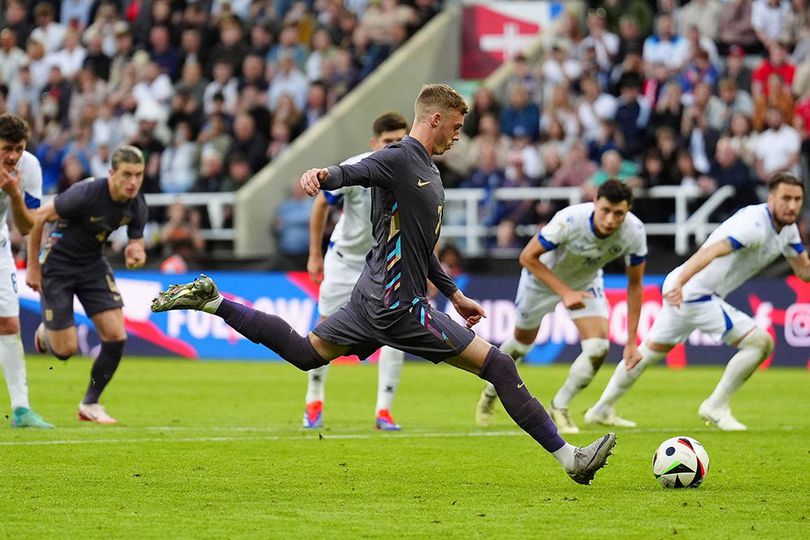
576	255
30	182
352	235
756	244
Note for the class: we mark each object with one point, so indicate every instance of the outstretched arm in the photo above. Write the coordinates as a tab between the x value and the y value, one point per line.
44	215
378	169
530	260
695	264
317	222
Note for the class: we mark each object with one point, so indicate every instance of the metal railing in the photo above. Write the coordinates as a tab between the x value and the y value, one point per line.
684	226
215	203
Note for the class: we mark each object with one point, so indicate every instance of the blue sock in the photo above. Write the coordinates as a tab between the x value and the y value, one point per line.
525	409
272	332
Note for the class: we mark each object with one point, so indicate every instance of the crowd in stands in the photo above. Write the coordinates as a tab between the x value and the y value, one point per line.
210	90
705	93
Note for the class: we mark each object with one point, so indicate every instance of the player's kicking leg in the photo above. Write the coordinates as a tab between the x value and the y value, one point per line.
517	347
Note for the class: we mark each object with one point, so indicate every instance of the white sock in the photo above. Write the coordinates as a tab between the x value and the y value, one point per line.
13	359
565	456
754	349
389	367
212	305
517	351
315	383
582	371
623	379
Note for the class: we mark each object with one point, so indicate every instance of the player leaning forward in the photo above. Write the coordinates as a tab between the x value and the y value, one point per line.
695	292
564	263
20	192
72	263
389	304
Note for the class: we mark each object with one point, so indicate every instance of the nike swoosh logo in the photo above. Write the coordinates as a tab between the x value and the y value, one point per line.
422	183
94	219
521	385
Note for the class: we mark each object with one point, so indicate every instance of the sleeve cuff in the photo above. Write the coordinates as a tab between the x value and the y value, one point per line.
636	260
735	244
335	179
32	202
332	199
548	245
798	248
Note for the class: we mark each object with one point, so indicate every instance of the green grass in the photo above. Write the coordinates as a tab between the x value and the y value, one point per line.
214	450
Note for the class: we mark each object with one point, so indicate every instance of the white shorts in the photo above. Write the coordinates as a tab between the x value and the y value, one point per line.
712	316
533	301
9	301
340	274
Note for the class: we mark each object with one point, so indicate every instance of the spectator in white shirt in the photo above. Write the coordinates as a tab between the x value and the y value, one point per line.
777	148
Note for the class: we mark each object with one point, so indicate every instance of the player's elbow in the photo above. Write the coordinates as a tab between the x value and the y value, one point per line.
527	259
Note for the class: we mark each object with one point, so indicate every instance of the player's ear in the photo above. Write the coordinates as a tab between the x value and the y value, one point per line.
435	119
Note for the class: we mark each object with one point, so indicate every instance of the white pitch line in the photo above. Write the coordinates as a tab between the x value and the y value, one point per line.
338	436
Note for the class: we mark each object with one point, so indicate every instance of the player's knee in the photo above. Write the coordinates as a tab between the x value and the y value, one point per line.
596	349
498	366
64	352
303	355
760	341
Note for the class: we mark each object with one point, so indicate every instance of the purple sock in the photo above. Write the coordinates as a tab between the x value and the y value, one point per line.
525	409
272	332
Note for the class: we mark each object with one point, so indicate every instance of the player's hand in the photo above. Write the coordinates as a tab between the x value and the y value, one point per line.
631	356
468	308
33	277
674	296
311	180
575	299
9	179
315	268
134	256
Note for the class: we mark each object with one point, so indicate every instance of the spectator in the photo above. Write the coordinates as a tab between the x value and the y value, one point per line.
316	105
669	109
125	49
22	90
16	20
484	102
59	90
613	166
735	26
152	85
288	113
776	148
288	45
280	138
39	64
163	53
489	133
96	60
666	45
769	18
11	57
729	170
212	171
699	69
231	47
743	140
178	162
180	237
778	95
575	169
239	172
520	114
632	116
734	101
89	92
604	42
248	142
776	63
291	225
703	14
288	80
594	106
558	68
48	32
224	84
700	137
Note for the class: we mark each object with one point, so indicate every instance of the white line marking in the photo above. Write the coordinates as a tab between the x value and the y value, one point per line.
326	436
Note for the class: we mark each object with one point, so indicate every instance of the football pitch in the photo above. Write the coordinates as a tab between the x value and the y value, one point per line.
215	450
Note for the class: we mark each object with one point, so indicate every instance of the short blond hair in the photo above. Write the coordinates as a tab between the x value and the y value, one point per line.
438	97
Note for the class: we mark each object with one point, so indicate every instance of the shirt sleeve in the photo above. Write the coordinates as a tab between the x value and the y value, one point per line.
32	184
378	169
794	246
71	203
136	226
439	277
555	231
637	252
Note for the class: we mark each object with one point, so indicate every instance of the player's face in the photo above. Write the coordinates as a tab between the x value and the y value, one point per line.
609	216
785	204
125	182
449	129
387	137
10	153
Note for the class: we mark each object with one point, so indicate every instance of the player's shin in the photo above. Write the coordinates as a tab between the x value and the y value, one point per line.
13	360
272	332
623	378
753	350
582	371
104	367
525	409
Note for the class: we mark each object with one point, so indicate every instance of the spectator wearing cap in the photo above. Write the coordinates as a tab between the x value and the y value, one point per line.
736	70
776	63
11	56
776	148
48	31
734	26
666	45
768	18
520	113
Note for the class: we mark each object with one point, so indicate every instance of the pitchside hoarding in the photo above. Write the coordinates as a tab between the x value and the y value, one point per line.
781	307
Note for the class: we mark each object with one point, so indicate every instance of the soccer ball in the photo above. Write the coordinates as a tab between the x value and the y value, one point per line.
680	462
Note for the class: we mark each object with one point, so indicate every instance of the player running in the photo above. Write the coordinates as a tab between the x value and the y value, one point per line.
564	263
389	304
694	296
72	263
20	192
341	268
